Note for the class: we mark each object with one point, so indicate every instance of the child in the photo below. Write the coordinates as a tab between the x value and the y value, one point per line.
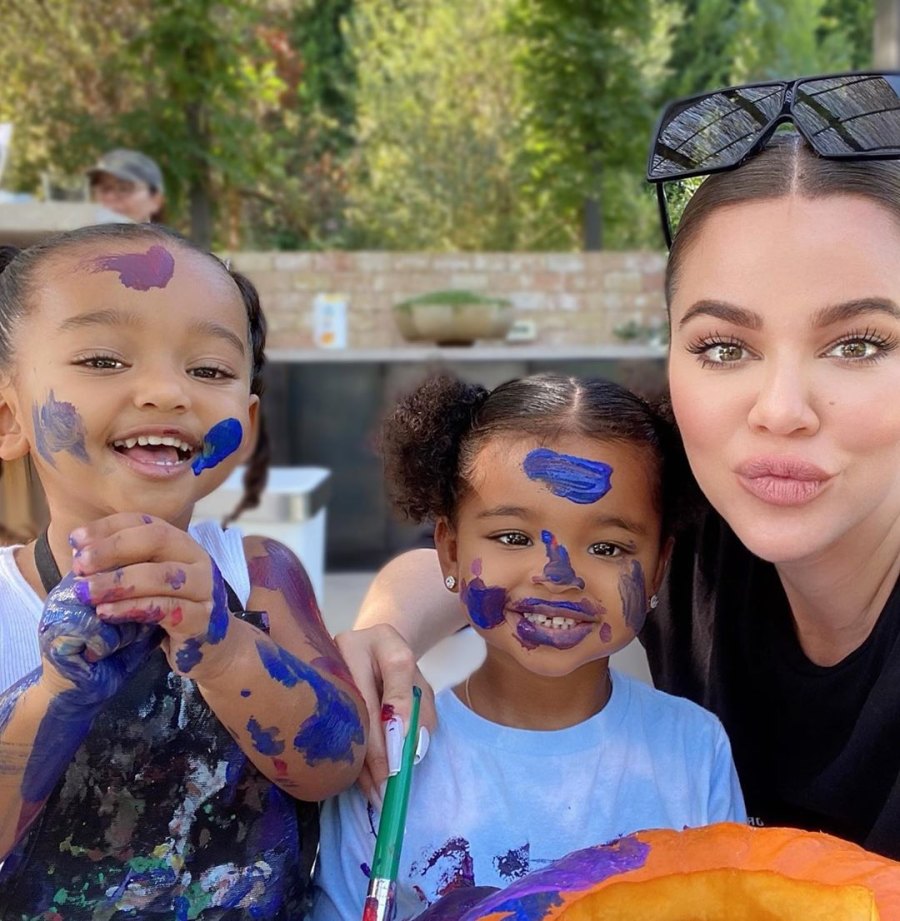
176	693
552	501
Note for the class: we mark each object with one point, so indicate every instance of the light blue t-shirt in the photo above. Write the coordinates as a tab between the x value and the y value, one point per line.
490	803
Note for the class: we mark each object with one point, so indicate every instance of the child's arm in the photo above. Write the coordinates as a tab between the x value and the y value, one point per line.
45	716
285	697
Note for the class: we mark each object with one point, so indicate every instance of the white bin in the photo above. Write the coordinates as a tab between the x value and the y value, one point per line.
291	510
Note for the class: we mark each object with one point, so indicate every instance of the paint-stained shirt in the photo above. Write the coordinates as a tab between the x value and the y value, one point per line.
490	803
160	814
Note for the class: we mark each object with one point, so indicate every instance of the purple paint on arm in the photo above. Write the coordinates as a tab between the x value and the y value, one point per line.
279	570
558	569
265	741
332	730
58	427
139	271
574	478
221	441
632	591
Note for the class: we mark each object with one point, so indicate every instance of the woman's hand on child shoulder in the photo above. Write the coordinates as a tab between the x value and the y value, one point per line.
385	670
137	569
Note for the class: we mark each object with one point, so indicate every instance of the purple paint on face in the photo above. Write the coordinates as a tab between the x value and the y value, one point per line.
175	580
280	571
58	427
574	478
139	271
532	634
221	441
529	898
245	692
558	570
485	603
632	591
476	567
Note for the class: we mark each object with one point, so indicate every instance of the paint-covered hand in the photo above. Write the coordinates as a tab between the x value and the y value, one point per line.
384	669
83	657
137	569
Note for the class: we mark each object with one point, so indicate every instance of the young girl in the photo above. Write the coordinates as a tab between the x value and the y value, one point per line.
552	500
168	701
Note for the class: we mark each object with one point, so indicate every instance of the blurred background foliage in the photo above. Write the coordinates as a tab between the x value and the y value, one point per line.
392	124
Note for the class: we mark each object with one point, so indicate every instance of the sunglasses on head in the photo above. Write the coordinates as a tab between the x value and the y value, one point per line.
851	116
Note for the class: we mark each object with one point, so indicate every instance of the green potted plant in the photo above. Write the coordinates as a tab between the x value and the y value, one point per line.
454	317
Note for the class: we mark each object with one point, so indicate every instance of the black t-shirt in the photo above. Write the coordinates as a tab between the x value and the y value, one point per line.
815	747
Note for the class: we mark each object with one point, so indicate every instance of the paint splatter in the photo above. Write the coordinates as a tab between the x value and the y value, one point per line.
58	427
265	741
486	604
175	580
245	692
558	570
330	733
279	570
514	863
222	440
453	864
574	478
139	271
191	651
632	591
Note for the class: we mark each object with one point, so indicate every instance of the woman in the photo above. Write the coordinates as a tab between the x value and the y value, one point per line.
782	611
129	183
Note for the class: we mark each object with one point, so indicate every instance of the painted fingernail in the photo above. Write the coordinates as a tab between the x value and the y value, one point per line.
393	740
422	746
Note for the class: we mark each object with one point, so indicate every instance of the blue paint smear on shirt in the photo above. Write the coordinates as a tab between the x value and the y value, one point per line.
331	731
222	440
574	478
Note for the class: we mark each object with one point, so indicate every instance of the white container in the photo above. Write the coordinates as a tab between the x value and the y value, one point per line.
291	510
330	321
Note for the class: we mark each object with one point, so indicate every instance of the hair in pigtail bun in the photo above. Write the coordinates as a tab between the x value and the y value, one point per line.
420	444
7	254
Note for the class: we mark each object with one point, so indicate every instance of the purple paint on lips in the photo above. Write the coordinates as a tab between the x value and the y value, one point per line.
58	427
139	271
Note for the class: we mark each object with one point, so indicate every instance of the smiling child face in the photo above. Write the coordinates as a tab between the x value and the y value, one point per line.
556	548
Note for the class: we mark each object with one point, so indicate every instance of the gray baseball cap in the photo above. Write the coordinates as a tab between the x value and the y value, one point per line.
131	165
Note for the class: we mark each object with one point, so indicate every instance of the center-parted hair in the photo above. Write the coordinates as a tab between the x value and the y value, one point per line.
432	437
21	276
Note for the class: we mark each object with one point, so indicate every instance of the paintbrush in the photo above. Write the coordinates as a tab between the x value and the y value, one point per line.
381	897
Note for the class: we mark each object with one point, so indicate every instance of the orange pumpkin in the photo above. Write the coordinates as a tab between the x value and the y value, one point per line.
724	872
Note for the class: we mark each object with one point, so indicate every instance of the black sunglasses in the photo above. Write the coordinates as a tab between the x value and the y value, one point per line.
851	116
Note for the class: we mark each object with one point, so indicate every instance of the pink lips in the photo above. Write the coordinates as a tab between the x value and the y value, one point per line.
783	481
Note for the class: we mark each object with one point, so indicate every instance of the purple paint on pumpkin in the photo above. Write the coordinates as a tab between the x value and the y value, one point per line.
175	580
632	591
486	604
558	570
139	271
58	427
575	872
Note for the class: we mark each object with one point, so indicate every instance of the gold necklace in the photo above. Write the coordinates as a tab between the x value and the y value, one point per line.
466	692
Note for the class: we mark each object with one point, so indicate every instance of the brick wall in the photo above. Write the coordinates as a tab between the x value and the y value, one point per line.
573	298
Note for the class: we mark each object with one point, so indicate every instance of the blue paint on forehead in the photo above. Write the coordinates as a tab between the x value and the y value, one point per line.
222	440
574	478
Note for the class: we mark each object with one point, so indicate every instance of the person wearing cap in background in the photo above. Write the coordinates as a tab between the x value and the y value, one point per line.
129	183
